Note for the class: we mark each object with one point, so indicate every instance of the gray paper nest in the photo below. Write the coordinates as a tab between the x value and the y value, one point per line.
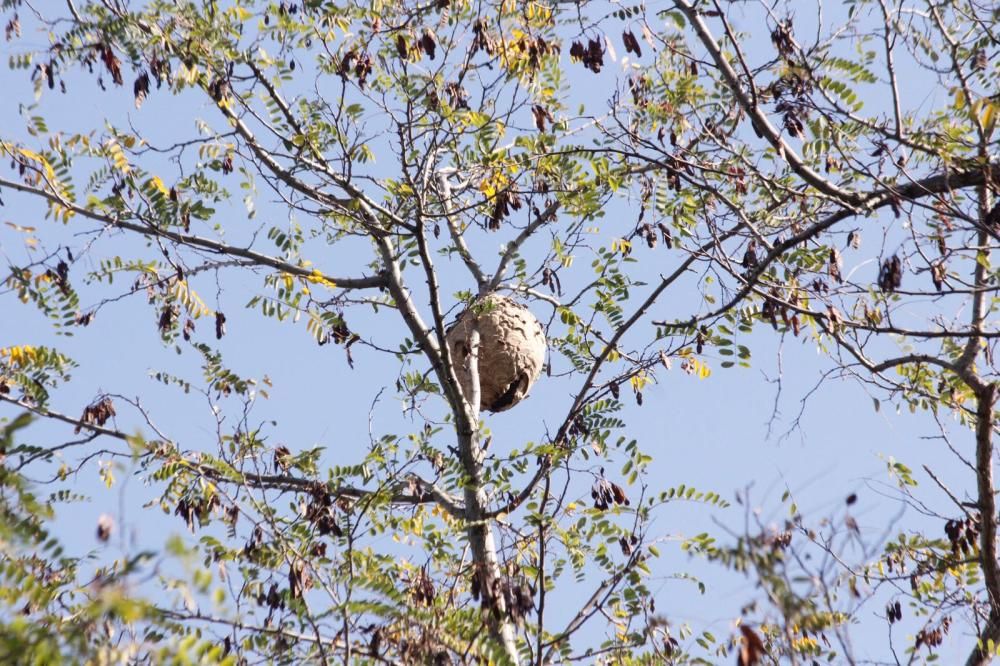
511	351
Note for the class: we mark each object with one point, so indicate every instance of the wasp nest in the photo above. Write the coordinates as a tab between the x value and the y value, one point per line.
511	351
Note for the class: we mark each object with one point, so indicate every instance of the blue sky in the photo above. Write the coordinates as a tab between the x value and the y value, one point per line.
714	434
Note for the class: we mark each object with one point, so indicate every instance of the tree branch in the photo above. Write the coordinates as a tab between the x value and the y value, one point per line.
456	233
512	247
758	117
986	400
593	604
932	185
433	493
199	241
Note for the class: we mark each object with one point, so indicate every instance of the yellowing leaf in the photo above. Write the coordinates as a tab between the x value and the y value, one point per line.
621	245
118	157
989	115
318	278
19	356
490	186
158	184
31	155
639	381
190	299
36	157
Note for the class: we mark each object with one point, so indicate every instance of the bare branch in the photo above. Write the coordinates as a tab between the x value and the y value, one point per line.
456	233
512	247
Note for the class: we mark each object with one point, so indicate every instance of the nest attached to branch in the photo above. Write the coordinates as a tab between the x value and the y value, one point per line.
511	351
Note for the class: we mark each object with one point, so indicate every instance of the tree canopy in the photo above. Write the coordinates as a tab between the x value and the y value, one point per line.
667	188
